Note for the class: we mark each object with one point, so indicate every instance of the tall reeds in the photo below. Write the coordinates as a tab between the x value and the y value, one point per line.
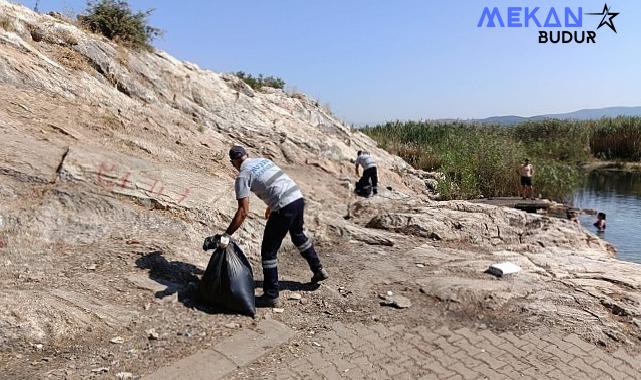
617	139
483	160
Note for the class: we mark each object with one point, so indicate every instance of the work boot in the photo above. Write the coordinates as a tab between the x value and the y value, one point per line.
319	276
267	302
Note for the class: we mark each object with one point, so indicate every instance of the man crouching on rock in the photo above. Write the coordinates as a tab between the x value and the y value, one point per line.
284	212
370	174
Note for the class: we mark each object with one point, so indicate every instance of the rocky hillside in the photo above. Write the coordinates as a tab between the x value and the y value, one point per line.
147	129
107	150
111	155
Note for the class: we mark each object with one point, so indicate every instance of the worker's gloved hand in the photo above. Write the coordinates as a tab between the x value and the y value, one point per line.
216	241
224	241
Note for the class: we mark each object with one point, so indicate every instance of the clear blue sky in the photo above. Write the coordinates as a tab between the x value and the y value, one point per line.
377	60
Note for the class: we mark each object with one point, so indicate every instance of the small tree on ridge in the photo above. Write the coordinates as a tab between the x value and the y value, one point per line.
117	21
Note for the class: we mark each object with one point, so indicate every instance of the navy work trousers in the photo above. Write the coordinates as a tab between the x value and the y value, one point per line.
371	176
287	219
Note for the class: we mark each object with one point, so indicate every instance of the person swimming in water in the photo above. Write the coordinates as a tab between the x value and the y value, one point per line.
600	222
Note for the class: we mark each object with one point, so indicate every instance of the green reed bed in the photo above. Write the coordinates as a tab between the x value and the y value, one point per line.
617	139
483	160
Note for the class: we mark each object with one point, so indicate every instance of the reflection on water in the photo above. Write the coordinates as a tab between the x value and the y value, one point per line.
618	195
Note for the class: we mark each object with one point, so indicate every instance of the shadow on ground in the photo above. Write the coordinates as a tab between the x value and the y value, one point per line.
293	286
175	275
182	279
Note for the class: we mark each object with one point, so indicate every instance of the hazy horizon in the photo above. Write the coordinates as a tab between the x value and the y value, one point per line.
404	60
509	115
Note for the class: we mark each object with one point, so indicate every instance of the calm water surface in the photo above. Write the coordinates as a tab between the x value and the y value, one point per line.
618	194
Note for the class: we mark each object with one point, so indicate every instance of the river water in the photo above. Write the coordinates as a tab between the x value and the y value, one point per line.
618	195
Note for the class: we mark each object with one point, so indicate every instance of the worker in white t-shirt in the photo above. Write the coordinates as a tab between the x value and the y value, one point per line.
285	211
370	173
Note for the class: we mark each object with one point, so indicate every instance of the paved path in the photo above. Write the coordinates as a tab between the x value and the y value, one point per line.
356	351
232	353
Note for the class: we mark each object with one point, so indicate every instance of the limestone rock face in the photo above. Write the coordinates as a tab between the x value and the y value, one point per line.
483	225
109	152
110	157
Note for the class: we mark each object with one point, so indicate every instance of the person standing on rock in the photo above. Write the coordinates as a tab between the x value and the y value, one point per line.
284	214
370	173
527	172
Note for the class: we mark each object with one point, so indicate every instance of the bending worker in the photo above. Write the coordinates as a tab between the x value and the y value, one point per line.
284	212
366	160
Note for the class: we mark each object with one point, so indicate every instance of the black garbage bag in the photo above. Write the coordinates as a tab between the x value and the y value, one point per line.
363	188
228	281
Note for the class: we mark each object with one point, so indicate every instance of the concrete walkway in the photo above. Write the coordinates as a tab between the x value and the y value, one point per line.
356	351
234	352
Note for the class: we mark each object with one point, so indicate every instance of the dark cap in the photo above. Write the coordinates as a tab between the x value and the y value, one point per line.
237	152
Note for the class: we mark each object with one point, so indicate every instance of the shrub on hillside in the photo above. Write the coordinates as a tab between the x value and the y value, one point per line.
117	21
261	81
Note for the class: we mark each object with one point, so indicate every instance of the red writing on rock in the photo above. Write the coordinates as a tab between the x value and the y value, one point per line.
107	177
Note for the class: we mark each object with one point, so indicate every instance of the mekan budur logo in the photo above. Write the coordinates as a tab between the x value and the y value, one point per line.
551	19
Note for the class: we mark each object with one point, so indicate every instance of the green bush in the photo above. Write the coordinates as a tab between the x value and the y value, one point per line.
479	162
555	179
115	20
261	81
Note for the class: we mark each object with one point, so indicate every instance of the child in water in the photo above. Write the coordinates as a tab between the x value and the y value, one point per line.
600	222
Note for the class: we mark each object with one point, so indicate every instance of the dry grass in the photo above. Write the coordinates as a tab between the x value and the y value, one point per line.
67	16
68	38
70	59
297	95
122	56
6	24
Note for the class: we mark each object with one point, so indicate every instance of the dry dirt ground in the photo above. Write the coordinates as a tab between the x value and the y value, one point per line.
154	293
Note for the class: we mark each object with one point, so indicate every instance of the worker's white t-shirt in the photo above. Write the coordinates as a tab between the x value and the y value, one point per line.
366	161
265	179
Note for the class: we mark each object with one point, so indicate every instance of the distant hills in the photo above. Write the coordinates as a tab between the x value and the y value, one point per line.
510	120
585	114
